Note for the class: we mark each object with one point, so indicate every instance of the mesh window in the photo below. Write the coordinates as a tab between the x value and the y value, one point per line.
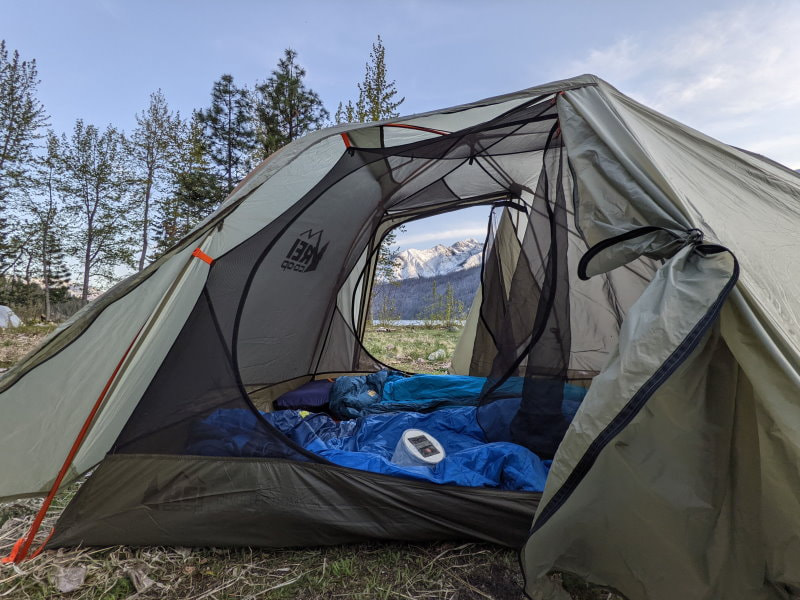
529	324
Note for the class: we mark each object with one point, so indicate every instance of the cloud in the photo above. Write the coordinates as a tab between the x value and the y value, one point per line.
409	240
730	73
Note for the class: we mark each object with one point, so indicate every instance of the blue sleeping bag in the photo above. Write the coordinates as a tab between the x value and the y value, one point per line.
368	444
357	395
389	391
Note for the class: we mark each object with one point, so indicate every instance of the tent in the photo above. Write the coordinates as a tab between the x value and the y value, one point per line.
626	253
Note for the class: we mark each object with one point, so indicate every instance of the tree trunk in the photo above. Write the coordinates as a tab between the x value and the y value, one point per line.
85	288
146	224
87	257
46	273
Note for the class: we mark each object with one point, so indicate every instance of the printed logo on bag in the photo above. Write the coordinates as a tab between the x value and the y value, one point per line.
305	253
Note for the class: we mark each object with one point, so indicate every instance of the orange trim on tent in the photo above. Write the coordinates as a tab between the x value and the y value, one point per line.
428	129
23	544
202	256
346	138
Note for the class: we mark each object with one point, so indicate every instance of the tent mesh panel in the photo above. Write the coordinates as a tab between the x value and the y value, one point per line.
528	323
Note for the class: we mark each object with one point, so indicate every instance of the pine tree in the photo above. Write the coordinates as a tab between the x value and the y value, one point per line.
442	309
387	256
194	189
453	308
93	180
48	227
16	269
229	131
285	109
376	101
21	118
55	273
151	151
376	94
347	113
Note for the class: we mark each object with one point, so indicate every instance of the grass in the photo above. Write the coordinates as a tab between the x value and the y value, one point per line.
390	571
408	348
446	571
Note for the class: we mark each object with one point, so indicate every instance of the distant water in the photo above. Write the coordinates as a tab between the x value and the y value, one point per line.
410	322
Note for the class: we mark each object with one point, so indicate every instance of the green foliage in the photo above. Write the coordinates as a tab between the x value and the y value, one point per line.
376	94
37	276
152	150
195	191
48	225
229	132
21	118
285	109
385	310
30	302
443	309
93	181
387	256
122	588
15	292
376	101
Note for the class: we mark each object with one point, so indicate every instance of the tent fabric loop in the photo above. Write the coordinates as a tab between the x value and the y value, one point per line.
198	253
675	241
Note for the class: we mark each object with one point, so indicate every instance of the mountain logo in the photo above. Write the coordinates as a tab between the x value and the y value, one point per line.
305	253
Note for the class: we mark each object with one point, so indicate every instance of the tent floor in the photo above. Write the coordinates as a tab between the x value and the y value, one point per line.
138	500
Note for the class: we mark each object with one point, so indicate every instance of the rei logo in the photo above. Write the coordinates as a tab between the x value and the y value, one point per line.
305	253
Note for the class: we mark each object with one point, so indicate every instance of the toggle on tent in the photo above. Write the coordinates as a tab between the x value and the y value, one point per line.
626	254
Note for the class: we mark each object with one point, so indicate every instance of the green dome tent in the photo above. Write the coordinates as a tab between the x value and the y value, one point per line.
627	253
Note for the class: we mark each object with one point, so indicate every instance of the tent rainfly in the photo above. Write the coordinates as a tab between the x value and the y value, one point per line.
627	253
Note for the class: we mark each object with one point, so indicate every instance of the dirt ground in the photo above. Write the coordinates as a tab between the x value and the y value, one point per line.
17	342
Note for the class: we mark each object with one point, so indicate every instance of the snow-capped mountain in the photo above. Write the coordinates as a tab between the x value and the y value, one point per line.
439	260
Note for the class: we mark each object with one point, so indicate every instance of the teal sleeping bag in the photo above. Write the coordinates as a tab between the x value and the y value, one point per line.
389	391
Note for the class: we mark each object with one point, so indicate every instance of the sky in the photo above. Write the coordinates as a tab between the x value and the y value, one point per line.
726	67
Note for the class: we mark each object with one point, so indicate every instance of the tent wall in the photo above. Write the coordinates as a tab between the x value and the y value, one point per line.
752	206
47	406
652	464
597	306
195	501
775	390
700	466
748	204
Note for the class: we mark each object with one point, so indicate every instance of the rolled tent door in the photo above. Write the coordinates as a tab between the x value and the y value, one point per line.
647	491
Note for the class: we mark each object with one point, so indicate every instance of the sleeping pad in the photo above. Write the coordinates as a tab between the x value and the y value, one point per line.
368	443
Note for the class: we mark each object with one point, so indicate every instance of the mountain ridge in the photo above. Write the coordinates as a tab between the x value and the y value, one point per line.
438	260
409	294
